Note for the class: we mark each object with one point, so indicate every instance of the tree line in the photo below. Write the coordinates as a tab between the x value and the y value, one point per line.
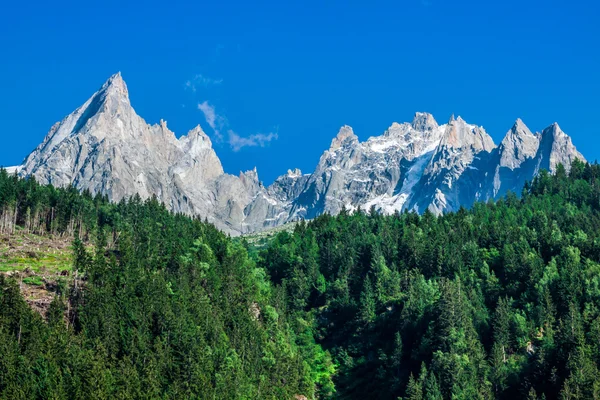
165	307
501	301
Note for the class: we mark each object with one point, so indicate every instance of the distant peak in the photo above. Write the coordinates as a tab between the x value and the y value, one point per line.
459	134
294	173
518	145
519	128
424	122
116	76
454	120
252	173
553	130
196	139
196	131
345	134
115	84
345	131
250	177
558	148
114	80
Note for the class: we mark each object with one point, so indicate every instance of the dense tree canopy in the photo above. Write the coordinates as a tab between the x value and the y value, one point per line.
164	306
498	302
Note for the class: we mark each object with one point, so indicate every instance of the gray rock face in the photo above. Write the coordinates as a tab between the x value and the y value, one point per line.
518	145
523	154
555	148
381	171
105	147
423	165
454	169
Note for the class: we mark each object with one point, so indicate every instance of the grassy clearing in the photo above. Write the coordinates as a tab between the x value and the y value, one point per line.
38	263
260	240
33	280
40	255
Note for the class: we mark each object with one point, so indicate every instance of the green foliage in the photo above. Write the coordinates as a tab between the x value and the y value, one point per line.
163	307
499	301
33	280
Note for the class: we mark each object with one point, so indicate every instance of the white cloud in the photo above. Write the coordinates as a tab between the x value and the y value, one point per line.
237	142
209	113
201	80
214	120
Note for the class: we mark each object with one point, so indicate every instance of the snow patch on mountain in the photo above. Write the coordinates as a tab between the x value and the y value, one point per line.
13	170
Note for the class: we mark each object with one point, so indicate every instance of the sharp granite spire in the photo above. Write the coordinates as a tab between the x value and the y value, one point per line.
518	145
344	136
424	122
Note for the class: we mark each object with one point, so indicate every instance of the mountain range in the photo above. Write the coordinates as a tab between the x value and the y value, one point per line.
105	147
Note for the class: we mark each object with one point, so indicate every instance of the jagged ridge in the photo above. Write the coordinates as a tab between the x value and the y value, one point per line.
104	146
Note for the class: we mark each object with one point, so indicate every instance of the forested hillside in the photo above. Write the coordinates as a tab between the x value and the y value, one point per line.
160	306
498	302
502	301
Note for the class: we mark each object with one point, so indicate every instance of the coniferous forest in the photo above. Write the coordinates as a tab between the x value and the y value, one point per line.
501	301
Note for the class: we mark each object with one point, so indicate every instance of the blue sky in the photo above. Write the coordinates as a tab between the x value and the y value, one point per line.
287	75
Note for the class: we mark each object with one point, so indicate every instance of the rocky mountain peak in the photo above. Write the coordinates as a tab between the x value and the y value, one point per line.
251	173
459	134
556	147
553	130
397	130
345	135
424	122
110	103
250	179
197	131
250	176
196	139
518	145
115	86
519	126
294	173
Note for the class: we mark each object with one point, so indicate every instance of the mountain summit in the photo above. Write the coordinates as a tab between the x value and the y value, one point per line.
105	147
518	145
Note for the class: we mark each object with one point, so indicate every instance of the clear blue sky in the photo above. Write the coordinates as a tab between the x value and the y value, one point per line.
303	69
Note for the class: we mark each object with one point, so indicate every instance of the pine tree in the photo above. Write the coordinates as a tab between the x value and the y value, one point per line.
414	390
367	306
432	388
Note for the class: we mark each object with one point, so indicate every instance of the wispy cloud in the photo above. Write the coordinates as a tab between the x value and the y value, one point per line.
209	113
200	80
214	120
238	142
